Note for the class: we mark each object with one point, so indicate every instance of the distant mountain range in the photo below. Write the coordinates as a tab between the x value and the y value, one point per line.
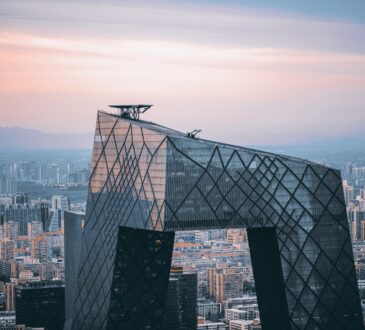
29	139
22	138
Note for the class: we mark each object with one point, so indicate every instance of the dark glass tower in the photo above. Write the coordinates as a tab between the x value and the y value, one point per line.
187	288
148	181
72	236
172	313
41	304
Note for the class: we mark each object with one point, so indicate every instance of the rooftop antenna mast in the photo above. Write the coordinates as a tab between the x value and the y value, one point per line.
131	111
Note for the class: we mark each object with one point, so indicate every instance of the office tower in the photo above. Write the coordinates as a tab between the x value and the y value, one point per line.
187	298
73	235
147	181
44	215
10	296
7	250
41	304
172	310
228	284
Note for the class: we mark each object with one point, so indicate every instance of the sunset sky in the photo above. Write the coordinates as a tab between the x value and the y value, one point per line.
279	72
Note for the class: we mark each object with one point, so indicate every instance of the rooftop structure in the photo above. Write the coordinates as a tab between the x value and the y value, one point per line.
131	111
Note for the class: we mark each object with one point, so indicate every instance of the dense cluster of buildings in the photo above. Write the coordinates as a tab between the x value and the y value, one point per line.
42	172
219	263
32	268
211	285
354	191
211	281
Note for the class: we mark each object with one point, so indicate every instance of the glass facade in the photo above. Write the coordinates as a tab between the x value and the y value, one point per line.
151	178
41	305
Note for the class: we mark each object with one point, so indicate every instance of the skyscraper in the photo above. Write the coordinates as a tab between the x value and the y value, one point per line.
59	205
148	181
187	298
10	296
228	284
73	234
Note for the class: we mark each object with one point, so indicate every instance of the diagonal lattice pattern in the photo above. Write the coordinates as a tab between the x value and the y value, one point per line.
149	177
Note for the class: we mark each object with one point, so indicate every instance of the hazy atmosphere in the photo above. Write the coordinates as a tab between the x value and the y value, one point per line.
274	73
252	218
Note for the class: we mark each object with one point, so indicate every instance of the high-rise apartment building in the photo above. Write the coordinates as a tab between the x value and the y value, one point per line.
10	296
7	250
148	181
211	282
14	269
35	228
348	192
22	214
8	185
228	284
11	230
43	213
40	249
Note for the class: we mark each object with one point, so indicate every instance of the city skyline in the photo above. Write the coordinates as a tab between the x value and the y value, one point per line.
293	68
219	259
237	202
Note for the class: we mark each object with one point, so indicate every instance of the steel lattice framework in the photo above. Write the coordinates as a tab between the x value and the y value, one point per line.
149	181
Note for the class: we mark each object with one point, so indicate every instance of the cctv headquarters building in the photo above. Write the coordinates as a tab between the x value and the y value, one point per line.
148	181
